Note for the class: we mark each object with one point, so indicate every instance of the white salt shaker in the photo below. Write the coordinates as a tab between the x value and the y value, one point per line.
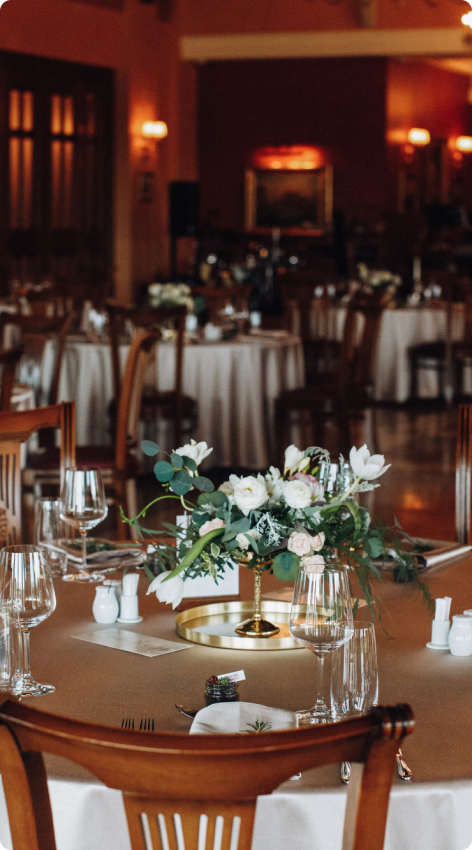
129	611
105	606
460	636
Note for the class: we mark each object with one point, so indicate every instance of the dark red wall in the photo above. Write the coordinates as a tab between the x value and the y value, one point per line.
338	104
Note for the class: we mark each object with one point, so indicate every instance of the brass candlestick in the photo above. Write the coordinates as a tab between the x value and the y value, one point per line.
256	626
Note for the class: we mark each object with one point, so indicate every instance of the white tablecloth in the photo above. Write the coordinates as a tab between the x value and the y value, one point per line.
400	330
234	383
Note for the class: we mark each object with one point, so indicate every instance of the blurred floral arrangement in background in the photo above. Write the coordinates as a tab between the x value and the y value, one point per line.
170	295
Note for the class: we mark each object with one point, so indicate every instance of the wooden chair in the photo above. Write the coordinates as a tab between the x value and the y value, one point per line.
171	405
118	463
33	332
15	429
343	394
218	298
9	359
162	775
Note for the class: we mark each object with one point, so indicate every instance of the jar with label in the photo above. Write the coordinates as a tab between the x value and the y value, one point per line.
221	690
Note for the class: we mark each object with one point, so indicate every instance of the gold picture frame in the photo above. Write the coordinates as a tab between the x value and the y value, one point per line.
298	202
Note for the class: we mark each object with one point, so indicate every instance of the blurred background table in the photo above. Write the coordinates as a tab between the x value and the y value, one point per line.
234	382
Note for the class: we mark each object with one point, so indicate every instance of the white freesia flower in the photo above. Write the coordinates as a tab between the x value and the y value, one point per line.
299	543
297	494
194	450
293	458
170	591
211	525
365	465
250	493
313	564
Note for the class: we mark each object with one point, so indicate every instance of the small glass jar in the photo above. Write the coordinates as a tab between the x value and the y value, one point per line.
221	692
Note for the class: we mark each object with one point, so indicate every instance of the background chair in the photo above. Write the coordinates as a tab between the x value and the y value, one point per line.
162	775
463	512
9	359
337	396
15	429
170	406
118	463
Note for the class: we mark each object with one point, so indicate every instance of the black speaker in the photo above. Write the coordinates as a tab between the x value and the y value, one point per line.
183	207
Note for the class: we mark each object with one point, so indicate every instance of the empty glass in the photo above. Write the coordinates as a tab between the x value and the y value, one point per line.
321	620
354	681
11	677
83	506
49	531
26	585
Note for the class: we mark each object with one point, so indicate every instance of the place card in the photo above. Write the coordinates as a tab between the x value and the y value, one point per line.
132	642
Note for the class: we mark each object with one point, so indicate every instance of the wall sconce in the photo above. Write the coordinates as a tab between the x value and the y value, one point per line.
467	18
464	143
418	137
154	130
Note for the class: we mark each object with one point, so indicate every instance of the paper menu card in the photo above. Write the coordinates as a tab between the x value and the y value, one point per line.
116	638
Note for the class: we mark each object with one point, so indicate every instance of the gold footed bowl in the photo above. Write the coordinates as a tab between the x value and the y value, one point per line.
255	626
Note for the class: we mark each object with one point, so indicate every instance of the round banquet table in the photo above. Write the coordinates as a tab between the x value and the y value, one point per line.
235	384
103	685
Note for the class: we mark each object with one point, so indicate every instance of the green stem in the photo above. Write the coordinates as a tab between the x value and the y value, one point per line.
159	498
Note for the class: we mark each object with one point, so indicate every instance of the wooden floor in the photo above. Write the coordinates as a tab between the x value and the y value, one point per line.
418	489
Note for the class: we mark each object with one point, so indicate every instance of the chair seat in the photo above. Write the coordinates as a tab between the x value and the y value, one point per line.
165	402
87	457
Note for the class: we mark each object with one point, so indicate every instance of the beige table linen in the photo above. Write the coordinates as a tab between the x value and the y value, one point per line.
235	384
95	683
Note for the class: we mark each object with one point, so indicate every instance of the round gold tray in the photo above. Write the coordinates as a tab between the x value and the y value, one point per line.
213	625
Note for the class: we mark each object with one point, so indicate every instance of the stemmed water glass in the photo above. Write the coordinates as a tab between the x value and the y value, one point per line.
83	506
321	620
26	585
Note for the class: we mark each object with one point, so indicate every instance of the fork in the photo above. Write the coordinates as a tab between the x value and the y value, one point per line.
403	770
147	724
127	723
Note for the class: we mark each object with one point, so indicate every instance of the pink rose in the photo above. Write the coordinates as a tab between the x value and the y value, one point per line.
211	525
300	543
304	476
313	564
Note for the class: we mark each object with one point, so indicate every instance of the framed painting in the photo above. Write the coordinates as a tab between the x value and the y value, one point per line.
297	202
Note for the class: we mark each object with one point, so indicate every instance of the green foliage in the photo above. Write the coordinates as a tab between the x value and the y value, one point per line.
285	566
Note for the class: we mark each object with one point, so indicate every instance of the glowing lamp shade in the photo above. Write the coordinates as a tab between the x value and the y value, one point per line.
467	19
154	129
418	137
288	158
464	143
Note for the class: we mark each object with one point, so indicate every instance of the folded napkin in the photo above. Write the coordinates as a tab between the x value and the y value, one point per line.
228	718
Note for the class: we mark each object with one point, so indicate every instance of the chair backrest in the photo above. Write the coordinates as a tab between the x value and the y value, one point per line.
164	775
34	332
306	311
463	474
154	318
15	429
9	359
360	340
219	297
131	393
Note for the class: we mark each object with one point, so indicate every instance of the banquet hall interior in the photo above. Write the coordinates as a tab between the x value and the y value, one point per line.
235	227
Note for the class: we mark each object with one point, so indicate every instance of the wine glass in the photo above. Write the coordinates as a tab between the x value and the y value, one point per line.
321	620
26	584
83	506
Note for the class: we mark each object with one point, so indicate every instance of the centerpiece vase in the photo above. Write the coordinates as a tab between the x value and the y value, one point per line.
256	627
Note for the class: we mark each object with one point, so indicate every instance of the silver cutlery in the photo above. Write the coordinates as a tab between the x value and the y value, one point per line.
147	724
127	723
403	770
188	712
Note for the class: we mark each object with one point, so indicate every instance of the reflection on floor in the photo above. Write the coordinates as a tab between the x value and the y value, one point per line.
418	489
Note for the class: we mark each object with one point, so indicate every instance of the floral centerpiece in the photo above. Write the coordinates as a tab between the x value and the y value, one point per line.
279	521
380	278
170	295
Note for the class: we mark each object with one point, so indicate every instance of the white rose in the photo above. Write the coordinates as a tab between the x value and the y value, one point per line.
365	465
211	525
194	450
242	541
293	456
168	591
317	542
227	489
249	494
299	543
313	564
297	494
